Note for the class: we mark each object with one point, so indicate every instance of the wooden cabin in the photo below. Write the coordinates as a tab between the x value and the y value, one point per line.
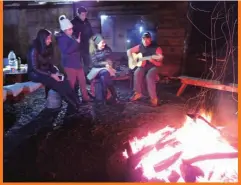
168	20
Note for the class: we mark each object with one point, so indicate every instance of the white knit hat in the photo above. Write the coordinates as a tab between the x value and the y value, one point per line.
64	23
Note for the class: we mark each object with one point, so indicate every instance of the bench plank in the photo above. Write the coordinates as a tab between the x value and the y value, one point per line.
14	89
4	95
212	84
30	86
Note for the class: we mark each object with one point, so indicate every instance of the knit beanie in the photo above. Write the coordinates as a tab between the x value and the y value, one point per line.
64	23
97	38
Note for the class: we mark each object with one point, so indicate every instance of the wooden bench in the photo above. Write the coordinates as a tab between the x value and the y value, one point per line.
4	95
17	89
13	90
29	87
212	84
126	77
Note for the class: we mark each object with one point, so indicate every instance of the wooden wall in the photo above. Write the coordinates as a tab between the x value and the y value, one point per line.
22	25
172	27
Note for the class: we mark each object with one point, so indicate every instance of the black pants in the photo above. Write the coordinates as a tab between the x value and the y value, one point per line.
86	62
62	87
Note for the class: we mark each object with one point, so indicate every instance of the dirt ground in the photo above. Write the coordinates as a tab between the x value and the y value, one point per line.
40	145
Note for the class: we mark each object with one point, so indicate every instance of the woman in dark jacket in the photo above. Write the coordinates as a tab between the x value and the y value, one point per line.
102	66
41	69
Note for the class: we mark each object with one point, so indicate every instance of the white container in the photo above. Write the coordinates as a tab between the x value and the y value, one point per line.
12	60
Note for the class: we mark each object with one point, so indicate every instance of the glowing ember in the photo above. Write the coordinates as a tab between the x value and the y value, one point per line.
194	153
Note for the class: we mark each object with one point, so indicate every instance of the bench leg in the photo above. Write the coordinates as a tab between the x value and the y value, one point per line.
181	89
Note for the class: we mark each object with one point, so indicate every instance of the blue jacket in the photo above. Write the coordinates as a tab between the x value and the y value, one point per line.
70	52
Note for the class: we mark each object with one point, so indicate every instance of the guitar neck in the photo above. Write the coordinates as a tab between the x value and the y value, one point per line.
145	58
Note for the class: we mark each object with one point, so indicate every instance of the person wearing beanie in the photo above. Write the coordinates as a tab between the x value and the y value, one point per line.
82	25
146	70
101	67
70	56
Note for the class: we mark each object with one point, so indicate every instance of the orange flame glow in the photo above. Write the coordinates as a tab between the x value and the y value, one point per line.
192	140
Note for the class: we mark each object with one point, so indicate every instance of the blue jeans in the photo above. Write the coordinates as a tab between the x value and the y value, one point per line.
106	83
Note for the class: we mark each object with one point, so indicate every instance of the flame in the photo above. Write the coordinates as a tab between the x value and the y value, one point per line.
192	139
206	115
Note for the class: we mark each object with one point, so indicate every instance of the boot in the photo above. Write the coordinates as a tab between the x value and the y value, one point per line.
113	92
136	96
154	102
114	99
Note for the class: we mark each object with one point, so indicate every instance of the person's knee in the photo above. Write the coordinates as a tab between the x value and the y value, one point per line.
71	83
105	74
65	84
151	77
138	74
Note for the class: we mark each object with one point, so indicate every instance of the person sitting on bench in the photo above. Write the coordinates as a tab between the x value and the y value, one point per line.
41	70
149	58
101	67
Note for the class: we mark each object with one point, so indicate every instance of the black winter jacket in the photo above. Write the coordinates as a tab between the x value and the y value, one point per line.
86	32
40	64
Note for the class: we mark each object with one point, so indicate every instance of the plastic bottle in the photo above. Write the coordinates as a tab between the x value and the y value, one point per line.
12	60
19	63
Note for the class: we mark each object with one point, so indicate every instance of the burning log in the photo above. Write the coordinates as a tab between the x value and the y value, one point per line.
135	159
167	163
187	141
171	142
197	116
190	173
211	156
174	176
166	134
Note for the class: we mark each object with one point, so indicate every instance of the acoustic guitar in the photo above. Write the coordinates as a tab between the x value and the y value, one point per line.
138	59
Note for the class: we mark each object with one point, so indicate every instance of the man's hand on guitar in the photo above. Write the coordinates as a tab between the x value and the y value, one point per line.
141	64
157	59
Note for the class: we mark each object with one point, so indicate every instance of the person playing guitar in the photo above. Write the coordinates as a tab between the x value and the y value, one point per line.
145	58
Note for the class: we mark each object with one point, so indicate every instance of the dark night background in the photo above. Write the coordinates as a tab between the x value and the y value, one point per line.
42	145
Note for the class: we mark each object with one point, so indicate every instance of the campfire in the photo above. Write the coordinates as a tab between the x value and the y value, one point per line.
196	152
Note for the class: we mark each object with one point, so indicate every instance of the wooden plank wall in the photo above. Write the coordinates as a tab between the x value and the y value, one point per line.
22	25
171	35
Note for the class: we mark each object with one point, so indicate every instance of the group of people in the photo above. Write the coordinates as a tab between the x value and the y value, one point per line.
86	57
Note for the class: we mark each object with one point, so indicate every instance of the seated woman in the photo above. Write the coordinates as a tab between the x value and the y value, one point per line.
101	66
41	70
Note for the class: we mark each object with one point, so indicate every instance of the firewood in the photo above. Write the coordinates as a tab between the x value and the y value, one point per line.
190	173
174	176
212	156
167	162
161	145
135	159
